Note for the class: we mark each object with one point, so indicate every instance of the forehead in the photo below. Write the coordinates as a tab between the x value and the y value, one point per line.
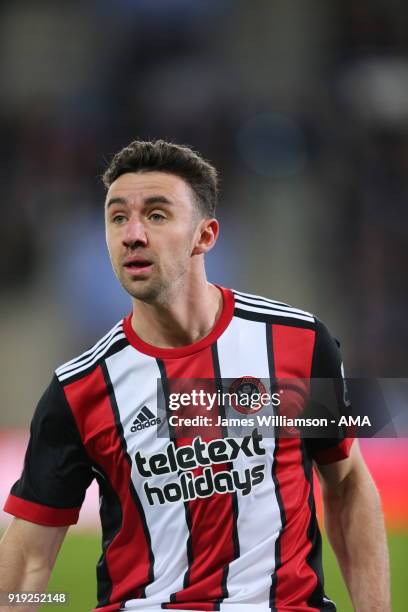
136	186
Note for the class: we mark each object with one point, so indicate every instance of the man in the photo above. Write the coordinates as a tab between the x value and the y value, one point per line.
248	546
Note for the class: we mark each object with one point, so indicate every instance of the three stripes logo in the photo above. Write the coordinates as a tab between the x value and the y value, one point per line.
144	418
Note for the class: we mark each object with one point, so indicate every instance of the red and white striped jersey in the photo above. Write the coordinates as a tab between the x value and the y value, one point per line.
165	547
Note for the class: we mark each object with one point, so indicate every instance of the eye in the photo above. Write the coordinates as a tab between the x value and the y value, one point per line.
118	219
156	216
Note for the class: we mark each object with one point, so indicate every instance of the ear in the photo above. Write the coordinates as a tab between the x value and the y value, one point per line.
206	236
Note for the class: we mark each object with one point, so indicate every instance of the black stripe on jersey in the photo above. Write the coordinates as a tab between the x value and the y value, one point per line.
278	561
116	347
264	317
172	436
166	393
217	372
314	557
275	307
133	491
230	466
111	519
189	546
218	384
258	298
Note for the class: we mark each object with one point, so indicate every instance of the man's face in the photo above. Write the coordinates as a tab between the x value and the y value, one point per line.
151	222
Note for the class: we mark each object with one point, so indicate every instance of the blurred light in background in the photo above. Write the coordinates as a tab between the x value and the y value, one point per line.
377	90
272	145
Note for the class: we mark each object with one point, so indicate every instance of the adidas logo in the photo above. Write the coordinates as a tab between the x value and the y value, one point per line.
144	418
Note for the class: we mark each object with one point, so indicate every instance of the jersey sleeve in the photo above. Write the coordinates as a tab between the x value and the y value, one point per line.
57	470
328	398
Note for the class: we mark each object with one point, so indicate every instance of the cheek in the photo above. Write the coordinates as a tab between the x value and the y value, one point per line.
111	246
181	249
108	242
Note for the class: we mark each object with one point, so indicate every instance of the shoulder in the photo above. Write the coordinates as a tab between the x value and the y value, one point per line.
260	308
266	310
113	341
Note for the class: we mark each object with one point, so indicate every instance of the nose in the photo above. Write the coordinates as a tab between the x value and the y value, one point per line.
135	234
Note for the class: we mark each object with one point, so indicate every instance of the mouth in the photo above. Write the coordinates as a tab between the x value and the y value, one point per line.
138	267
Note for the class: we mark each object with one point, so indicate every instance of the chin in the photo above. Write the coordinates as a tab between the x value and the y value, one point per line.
143	290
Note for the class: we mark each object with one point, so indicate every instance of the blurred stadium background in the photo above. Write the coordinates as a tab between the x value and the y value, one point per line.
303	107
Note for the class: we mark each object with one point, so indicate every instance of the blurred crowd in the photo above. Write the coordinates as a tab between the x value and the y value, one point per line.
301	105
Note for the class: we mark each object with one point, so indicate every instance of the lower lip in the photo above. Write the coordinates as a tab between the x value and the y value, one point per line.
139	270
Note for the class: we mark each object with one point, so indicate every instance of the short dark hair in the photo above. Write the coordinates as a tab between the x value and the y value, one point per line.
162	156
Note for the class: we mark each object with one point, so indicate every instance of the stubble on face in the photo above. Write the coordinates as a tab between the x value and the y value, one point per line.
162	285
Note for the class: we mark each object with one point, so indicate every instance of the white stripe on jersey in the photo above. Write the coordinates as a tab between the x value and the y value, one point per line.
265	302
258	297
242	351
96	357
279	313
86	363
134	379
87	355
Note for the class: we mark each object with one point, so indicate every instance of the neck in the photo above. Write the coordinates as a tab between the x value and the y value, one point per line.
183	318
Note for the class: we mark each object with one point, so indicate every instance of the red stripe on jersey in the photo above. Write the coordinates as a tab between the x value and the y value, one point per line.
91	406
38	513
294	578
212	518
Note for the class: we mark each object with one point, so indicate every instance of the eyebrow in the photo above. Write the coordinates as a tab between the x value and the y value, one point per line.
150	201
